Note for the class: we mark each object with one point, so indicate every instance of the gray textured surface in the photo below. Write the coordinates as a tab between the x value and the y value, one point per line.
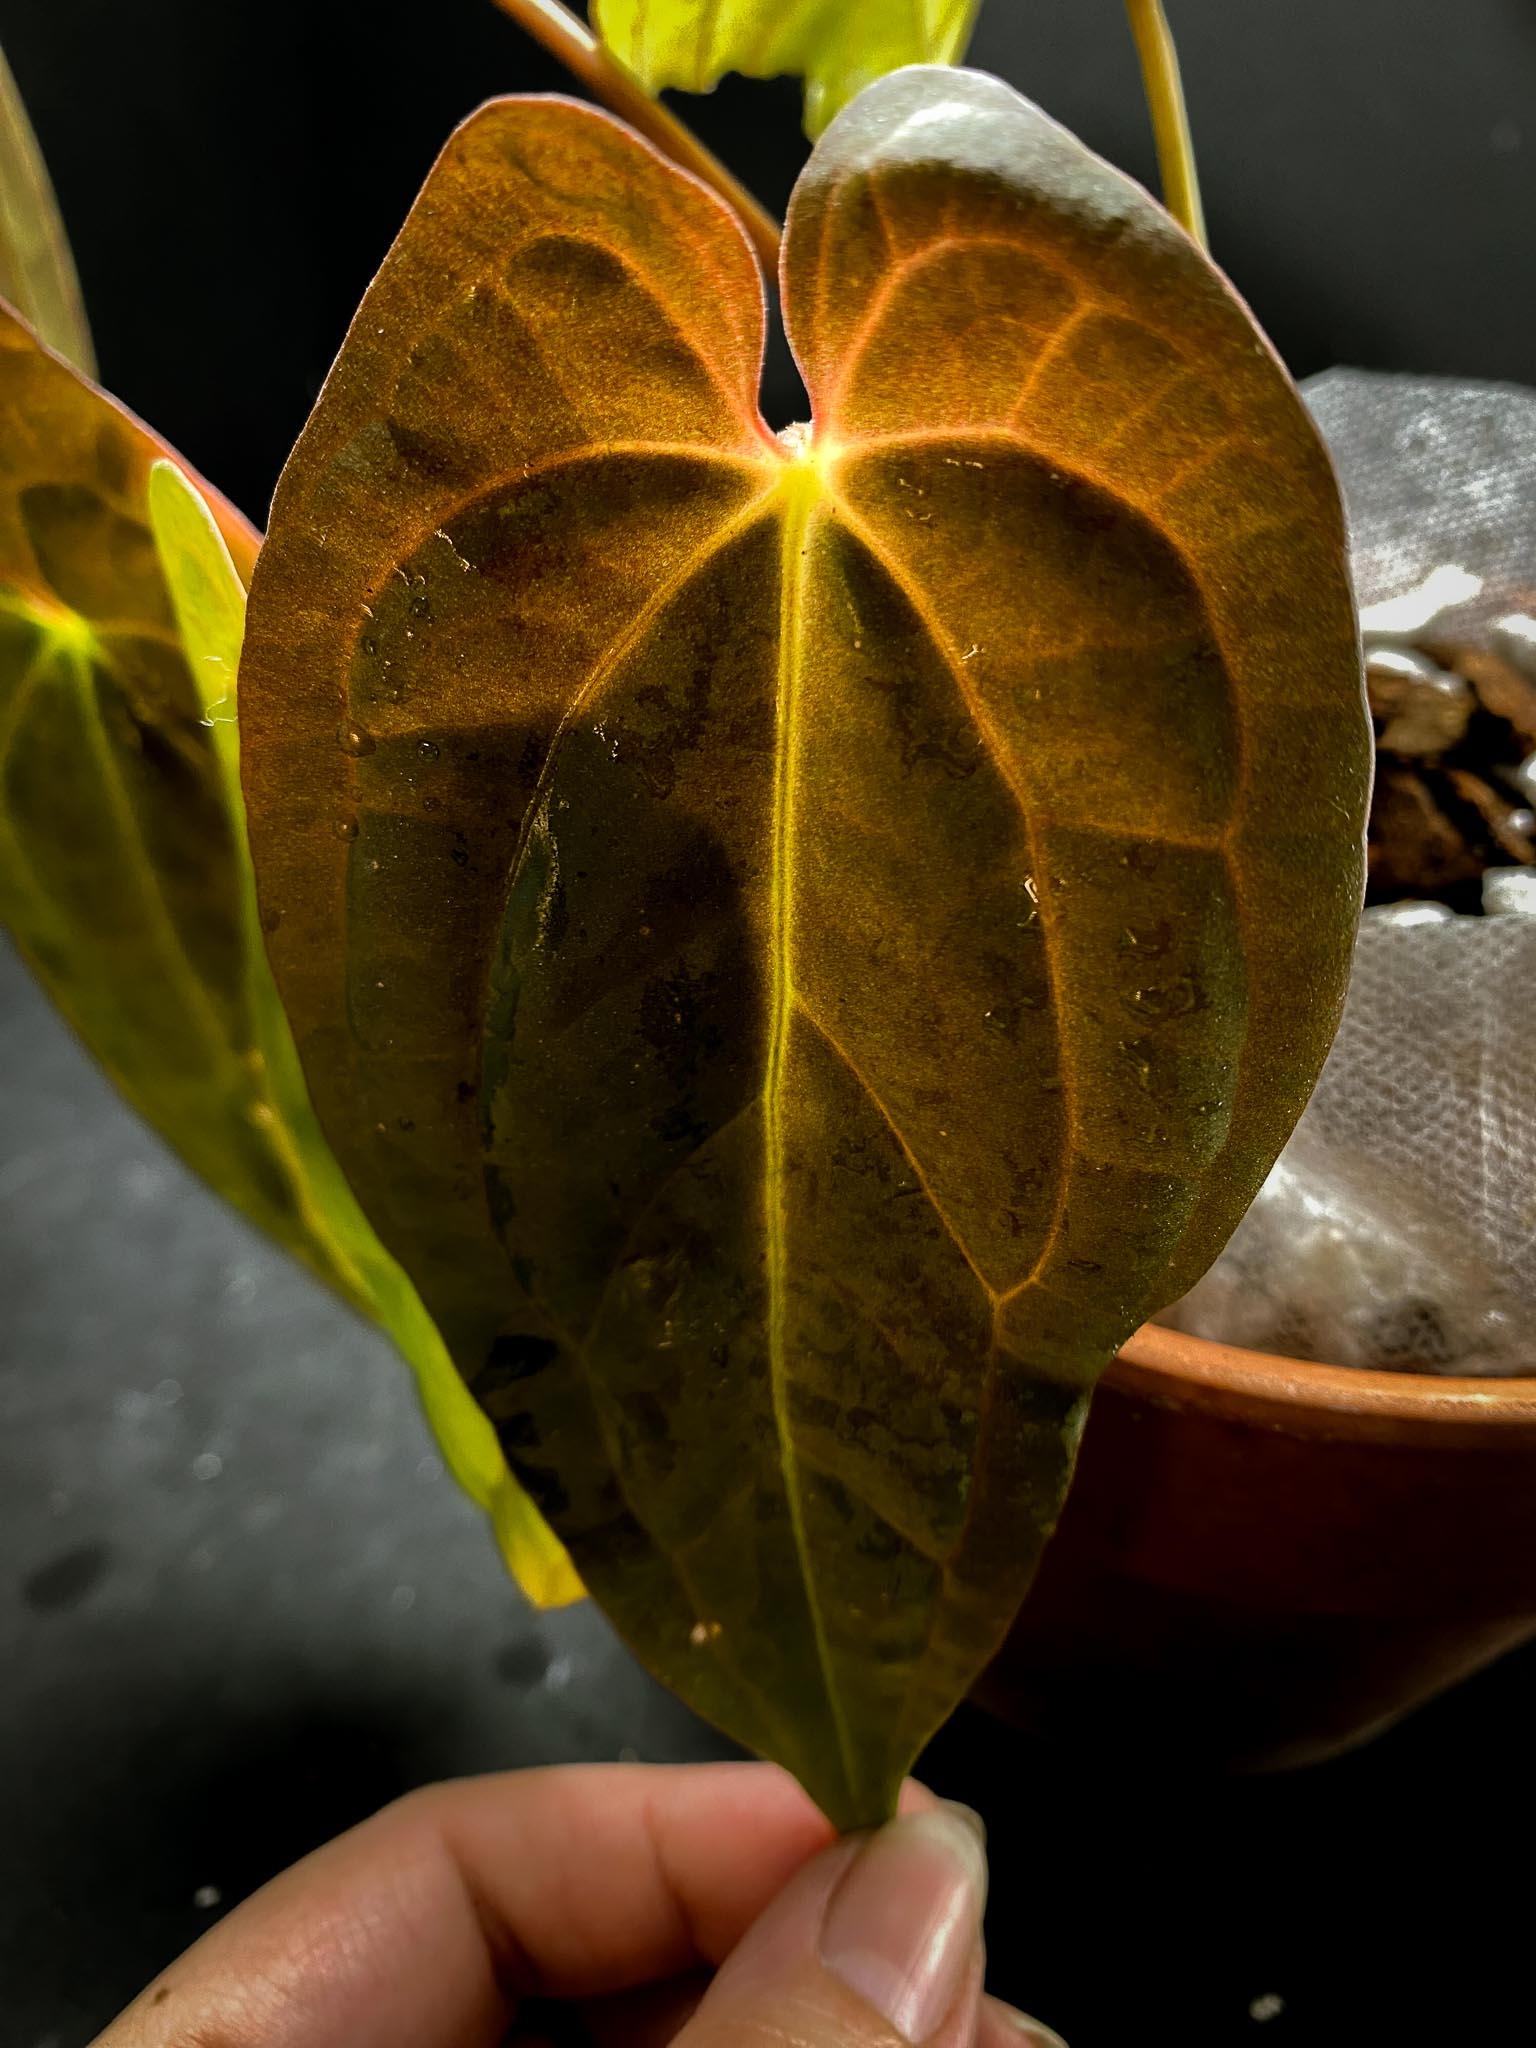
1437	473
241	1603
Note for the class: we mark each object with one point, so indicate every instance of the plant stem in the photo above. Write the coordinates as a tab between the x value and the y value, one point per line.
1170	117
569	39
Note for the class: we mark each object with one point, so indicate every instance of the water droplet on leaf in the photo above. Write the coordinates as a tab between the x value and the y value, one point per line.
352	739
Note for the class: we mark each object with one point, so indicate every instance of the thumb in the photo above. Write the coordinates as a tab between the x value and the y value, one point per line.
876	1943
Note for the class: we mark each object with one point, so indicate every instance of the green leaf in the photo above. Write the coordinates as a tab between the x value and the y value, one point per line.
800	945
837	46
124	871
37	270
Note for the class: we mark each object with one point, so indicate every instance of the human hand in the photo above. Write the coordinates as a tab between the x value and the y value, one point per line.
704	1906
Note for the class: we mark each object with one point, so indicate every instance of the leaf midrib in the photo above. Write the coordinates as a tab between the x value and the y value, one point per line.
802	492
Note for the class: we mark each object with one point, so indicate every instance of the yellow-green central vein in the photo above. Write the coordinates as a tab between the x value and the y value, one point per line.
801	489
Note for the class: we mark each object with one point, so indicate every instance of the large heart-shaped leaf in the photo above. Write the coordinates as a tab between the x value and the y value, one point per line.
124	872
801	944
837	46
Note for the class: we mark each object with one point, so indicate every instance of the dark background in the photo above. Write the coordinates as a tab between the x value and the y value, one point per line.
240	1605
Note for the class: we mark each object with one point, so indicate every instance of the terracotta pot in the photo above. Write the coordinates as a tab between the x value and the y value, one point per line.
1264	1562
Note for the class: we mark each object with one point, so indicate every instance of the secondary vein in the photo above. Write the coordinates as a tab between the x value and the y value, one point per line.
1007	768
914	1166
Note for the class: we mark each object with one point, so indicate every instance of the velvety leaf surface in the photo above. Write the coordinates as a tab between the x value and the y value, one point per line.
837	46
800	946
329	1232
124	872
37	267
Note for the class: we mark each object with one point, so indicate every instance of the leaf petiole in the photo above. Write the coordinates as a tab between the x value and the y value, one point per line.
1170	117
587	59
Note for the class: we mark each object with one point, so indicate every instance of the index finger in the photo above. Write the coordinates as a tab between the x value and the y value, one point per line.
424	1927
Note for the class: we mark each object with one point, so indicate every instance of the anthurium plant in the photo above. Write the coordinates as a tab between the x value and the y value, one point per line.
769	954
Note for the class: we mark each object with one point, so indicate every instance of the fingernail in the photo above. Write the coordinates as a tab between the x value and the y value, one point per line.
901	1928
968	1817
1032	2033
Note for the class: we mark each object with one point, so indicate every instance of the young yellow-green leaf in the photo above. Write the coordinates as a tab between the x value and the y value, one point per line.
837	46
800	945
124	873
37	269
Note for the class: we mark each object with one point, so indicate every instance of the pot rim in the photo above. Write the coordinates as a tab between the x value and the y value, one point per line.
1301	1398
